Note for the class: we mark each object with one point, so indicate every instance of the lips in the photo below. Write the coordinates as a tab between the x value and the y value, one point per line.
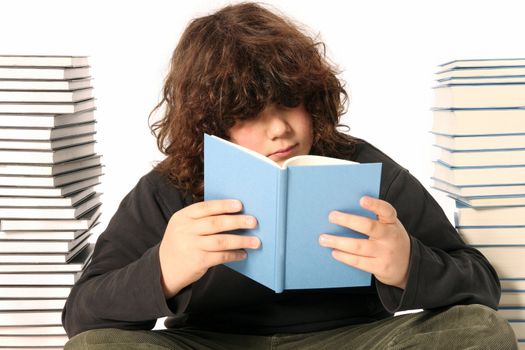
283	150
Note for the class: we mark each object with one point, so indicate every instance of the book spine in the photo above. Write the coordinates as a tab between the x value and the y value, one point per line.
280	240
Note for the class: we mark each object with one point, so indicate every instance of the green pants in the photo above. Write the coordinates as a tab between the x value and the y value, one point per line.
459	327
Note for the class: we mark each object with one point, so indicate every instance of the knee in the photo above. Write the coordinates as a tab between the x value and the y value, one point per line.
80	341
88	339
486	322
109	338
481	315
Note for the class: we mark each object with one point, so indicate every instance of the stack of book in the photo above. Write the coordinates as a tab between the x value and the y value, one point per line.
479	129
48	203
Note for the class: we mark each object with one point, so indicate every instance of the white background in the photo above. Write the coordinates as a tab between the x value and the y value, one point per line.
387	50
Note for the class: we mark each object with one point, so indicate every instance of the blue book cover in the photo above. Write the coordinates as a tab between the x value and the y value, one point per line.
291	204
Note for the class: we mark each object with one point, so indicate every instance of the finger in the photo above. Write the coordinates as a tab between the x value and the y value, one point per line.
222	242
355	246
385	212
363	263
212	207
364	225
222	223
218	258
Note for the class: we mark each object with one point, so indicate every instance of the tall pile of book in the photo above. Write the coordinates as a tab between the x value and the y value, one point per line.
479	129
48	204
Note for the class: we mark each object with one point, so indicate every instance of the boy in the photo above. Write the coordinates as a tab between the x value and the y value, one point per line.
251	76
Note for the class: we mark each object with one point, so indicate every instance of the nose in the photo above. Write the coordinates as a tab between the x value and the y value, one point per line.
278	125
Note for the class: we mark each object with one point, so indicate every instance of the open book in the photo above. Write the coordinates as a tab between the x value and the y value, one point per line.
291	204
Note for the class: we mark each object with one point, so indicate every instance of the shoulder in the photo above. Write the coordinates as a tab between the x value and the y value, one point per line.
156	188
156	181
391	171
368	153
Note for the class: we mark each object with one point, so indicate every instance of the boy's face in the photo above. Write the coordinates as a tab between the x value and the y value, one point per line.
278	132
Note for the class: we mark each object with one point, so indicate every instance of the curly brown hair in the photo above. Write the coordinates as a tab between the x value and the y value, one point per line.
229	66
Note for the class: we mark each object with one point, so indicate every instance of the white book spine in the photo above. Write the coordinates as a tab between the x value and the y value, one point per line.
44	202
480	96
39	235
33	292
480	190
483	63
484	72
30	305
483	158
42	341
45	85
24	318
48	192
512	313
512	299
505	260
43	61
46	145
45	225
34	157
46	134
41	246
40	213
466	143
481	176
45	96
51	181
44	120
43	73
37	279
35	330
479	122
500	216
46	107
493	236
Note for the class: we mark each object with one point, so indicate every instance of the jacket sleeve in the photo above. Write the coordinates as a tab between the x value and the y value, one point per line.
121	287
443	270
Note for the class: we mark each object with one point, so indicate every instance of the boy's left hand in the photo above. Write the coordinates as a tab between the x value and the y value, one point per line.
385	254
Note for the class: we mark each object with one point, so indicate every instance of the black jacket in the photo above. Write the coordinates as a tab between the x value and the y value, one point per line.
121	287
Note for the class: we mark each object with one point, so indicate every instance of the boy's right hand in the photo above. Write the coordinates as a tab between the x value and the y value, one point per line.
192	242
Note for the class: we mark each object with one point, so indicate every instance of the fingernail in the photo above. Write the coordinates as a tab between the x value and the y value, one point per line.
365	201
333	216
256	243
251	222
236	205
323	240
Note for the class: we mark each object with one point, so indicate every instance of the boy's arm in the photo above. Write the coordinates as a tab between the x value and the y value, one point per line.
121	287
443	270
